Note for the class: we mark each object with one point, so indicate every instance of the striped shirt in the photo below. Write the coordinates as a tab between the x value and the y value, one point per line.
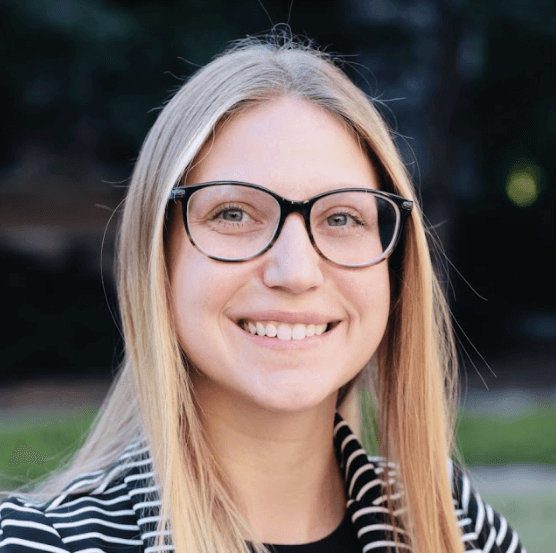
121	511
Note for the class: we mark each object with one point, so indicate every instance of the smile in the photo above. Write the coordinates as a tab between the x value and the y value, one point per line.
284	331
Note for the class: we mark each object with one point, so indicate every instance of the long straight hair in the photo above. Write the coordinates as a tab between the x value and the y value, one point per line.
412	383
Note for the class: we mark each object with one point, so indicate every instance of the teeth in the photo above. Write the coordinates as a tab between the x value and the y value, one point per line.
299	332
319	329
284	331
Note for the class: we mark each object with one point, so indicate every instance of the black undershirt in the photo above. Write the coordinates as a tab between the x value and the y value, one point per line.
342	540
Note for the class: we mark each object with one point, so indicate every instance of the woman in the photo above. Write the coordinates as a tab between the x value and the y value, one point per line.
273	264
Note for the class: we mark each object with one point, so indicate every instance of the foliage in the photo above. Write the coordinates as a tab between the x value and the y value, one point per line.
470	83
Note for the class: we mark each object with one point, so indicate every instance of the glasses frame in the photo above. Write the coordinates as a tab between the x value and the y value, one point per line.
287	207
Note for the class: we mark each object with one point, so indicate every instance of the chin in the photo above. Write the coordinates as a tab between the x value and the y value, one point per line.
295	400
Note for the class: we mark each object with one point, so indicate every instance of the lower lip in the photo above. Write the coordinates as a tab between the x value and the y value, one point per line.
275	343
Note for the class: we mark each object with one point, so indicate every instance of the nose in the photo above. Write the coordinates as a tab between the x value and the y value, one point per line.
292	263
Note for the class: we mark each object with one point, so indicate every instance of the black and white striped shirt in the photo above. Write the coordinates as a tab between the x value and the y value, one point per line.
121	512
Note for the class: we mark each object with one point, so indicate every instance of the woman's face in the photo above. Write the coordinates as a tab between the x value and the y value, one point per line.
297	150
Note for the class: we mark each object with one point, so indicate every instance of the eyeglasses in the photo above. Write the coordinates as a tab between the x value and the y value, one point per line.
237	221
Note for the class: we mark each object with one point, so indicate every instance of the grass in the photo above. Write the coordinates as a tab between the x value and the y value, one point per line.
525	439
30	449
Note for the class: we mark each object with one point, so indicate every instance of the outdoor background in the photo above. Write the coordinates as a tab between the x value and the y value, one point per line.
468	85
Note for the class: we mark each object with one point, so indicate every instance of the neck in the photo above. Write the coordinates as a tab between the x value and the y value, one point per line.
281	466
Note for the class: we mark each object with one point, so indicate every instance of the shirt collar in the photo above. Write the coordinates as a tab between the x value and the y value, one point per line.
364	478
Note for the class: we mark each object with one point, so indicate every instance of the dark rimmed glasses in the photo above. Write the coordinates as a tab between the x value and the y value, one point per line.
237	221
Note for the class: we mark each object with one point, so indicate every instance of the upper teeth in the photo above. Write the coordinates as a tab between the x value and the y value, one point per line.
284	331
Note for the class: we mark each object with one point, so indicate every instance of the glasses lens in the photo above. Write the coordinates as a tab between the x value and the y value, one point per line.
354	228
230	221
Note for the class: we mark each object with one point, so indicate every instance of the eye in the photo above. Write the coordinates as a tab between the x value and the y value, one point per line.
343	219
231	215
337	220
234	215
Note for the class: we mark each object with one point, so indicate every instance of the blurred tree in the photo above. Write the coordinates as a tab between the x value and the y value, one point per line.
506	246
470	82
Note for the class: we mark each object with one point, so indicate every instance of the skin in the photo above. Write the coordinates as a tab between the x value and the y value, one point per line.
268	411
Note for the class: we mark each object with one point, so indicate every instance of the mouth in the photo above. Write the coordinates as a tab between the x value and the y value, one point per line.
284	331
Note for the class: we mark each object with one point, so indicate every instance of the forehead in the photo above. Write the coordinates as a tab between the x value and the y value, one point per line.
288	145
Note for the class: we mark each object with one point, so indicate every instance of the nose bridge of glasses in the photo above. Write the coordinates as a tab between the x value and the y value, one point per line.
301	209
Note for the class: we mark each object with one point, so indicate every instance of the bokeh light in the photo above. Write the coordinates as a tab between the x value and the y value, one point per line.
523	184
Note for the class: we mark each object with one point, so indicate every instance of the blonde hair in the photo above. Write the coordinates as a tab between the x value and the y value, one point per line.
413	381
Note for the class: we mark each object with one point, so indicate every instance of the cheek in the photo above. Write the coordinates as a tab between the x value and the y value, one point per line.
369	293
195	302
202	289
197	290
191	276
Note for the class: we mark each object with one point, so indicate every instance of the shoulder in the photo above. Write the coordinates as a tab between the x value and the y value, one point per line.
95	512
24	527
483	529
